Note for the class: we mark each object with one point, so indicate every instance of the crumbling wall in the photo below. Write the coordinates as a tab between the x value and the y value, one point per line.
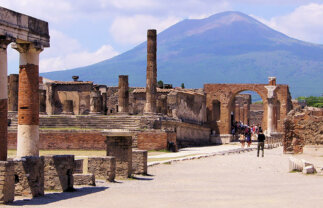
188	106
303	127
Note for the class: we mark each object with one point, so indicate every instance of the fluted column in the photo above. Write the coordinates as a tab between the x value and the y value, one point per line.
3	100
28	100
123	98
151	80
270	111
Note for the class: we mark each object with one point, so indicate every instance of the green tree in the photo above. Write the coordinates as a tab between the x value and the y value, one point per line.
160	84
182	86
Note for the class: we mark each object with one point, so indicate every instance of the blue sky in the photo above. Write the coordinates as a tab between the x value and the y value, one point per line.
84	32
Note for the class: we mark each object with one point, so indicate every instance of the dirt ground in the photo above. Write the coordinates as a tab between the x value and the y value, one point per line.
238	180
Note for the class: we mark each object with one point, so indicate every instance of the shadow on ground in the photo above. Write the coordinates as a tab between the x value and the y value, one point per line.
54	197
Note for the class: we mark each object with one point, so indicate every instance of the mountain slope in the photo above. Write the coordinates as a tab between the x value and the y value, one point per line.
228	47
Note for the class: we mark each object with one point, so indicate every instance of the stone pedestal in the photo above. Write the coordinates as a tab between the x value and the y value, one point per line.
102	167
29	173
7	182
139	161
151	79
58	172
68	107
123	99
119	145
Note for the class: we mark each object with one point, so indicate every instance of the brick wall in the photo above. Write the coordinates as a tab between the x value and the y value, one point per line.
152	140
65	140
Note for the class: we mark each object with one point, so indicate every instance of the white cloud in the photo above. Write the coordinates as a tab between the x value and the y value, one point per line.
304	23
132	30
76	59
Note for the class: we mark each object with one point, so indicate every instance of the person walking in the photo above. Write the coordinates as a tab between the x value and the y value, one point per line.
261	143
242	140
248	136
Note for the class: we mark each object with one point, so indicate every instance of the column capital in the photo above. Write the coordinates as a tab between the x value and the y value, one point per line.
27	48
271	90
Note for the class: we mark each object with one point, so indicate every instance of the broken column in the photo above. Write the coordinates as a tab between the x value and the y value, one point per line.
123	99
28	103
237	112
13	92
3	100
271	101
119	145
151	79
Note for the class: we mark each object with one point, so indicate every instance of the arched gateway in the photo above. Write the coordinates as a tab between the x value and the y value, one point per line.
220	100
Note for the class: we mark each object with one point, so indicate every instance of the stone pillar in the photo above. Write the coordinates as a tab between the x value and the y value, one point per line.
241	114
270	111
246	114
28	102
7	182
237	112
151	79
42	101
104	103
121	148
68	107
95	102
3	100
123	100
13	92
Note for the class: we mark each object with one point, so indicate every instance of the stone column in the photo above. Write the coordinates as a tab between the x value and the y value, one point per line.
246	114
13	92
104	103
42	101
95	102
241	114
123	99
151	79
28	101
3	100
270	111
237	112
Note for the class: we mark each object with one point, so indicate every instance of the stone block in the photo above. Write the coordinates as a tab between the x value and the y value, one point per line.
78	168
7	182
308	170
295	164
84	179
102	167
121	148
139	161
58	172
29	176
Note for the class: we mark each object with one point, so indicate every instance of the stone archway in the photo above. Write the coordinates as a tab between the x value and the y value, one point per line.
225	93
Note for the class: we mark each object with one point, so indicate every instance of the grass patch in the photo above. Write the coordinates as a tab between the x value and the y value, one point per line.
13	153
295	171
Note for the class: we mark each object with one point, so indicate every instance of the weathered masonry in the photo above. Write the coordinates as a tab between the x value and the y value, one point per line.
30	36
220	104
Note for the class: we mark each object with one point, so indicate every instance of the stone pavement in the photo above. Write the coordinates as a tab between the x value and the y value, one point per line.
234	180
